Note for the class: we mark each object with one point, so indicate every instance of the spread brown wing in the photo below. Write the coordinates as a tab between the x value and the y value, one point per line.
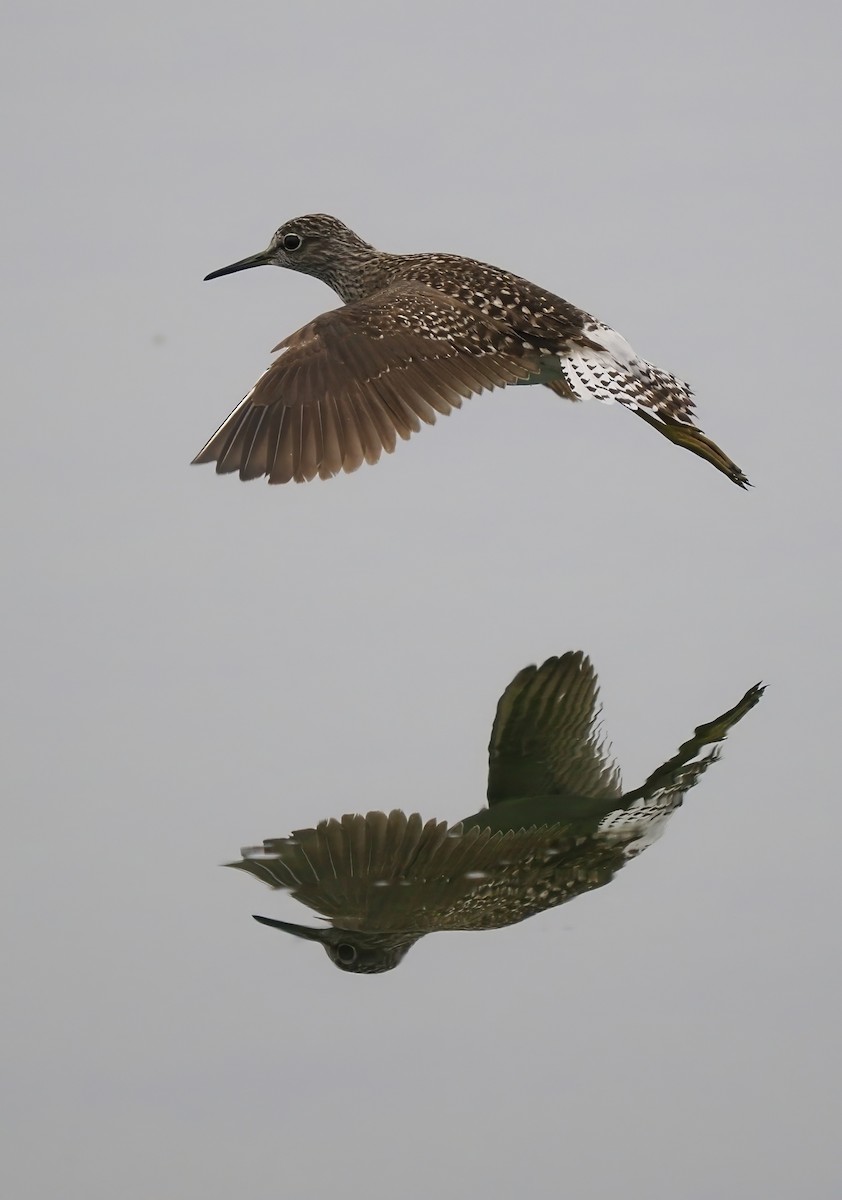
348	384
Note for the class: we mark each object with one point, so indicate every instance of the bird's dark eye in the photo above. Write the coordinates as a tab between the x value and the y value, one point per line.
291	241
346	953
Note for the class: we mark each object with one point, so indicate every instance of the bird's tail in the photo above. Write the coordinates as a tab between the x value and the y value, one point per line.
606	368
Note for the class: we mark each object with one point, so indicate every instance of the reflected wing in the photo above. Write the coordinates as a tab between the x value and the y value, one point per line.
545	740
391	872
346	386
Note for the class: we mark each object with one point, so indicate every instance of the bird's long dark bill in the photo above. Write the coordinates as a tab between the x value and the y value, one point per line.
254	260
302	931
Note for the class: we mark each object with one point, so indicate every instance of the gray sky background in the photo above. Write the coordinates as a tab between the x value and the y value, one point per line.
192	664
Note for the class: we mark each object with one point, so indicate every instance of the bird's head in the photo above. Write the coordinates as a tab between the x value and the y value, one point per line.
317	245
353	950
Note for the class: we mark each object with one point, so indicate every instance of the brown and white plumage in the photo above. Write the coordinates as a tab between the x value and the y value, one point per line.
417	334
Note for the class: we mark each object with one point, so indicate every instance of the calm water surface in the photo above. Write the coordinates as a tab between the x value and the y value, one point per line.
193	664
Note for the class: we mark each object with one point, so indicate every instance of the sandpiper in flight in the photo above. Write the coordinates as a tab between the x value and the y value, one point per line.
417	333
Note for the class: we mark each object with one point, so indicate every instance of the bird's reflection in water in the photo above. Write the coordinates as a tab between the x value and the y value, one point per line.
558	824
